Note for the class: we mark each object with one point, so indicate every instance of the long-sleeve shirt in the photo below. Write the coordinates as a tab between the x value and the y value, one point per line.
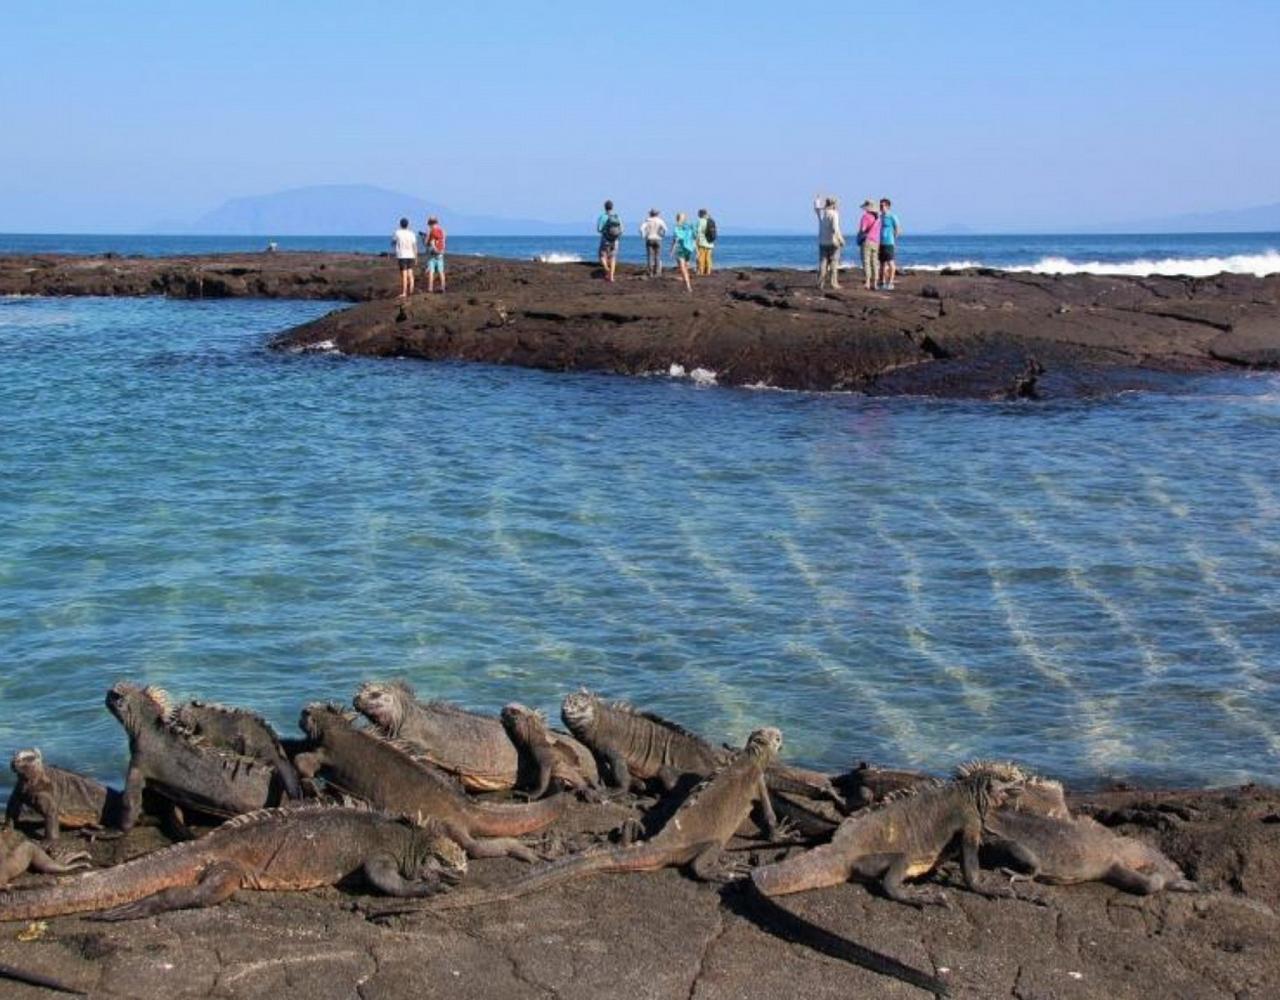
869	226
829	234
653	229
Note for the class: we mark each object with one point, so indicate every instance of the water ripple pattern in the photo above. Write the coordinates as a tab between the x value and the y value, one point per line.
1091	587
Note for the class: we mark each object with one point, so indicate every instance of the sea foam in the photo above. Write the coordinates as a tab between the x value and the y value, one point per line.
1260	264
556	257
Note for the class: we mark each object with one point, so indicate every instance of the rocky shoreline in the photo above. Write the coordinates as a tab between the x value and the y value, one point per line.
663	935
967	334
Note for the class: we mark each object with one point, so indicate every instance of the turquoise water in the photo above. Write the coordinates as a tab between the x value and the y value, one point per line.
1091	587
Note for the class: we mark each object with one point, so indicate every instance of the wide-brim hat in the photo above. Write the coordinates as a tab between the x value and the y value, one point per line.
870	204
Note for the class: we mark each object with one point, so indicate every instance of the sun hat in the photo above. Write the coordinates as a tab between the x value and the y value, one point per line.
870	204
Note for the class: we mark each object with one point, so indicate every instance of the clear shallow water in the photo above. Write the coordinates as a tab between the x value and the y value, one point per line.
1180	253
1091	587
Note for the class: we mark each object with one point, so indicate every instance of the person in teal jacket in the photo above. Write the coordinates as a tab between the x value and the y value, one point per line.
684	244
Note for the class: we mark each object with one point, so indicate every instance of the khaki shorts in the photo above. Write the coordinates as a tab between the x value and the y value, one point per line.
870	257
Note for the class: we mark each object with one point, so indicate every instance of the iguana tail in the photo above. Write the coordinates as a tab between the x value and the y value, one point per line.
35	979
489	819
778	920
106	887
636	858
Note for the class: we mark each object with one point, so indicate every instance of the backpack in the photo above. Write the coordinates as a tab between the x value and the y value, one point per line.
710	233
612	227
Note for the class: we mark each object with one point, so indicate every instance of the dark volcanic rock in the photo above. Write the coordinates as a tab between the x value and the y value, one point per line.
969	334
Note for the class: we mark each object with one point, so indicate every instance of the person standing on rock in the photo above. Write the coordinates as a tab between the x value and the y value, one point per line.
889	232
830	240
609	226
434	238
653	231
706	241
683	246
869	241
405	243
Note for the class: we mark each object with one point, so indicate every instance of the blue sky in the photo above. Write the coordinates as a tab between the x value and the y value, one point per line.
998	115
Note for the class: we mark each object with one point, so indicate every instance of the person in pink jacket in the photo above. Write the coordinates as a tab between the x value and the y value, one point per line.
869	241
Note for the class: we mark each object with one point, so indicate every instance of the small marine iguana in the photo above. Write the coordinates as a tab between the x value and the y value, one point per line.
695	835
392	775
905	837
60	797
1065	851
168	758
288	849
639	747
19	854
242	732
473	747
553	756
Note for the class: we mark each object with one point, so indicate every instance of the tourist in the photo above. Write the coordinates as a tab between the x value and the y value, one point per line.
653	231
609	226
830	240
890	230
706	241
434	238
405	243
683	246
869	240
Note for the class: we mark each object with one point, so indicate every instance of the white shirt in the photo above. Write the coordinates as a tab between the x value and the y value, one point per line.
653	229
406	244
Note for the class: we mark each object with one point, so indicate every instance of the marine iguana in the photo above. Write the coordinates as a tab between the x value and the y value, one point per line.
19	854
1065	851
473	747
285	849
243	732
554	756
695	835
60	797
904	837
640	747
168	758
392	775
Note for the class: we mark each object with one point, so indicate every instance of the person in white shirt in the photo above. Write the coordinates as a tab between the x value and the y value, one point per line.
405	243
830	240
654	231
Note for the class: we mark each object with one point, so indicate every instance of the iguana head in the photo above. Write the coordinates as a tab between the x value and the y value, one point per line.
433	849
134	705
993	784
523	722
319	716
1025	792
578	711
384	704
766	742
27	763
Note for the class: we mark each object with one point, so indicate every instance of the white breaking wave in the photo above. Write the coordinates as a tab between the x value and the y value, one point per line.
558	258
1260	264
700	376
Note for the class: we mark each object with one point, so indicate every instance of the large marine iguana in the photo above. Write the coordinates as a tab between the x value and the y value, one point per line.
287	849
474	748
904	837
640	747
1066	851
553	756
243	732
695	835
168	758
392	775
19	854
62	798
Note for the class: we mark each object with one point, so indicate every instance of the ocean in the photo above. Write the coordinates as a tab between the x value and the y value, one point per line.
1198	254
1091	587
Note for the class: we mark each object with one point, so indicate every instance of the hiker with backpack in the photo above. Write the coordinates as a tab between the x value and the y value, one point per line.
706	240
609	226
683	245
434	238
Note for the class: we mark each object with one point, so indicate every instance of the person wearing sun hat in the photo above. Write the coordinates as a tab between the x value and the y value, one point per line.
869	241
